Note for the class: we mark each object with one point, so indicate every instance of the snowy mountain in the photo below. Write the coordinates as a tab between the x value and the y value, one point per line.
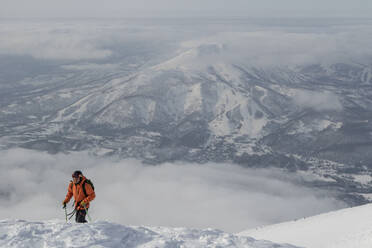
346	228
202	96
18	233
196	107
295	95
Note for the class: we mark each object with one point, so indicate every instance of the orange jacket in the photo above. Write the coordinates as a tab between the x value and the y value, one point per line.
76	190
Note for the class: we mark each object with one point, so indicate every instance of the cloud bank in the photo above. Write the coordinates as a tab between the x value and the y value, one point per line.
248	43
33	185
51	42
277	47
319	101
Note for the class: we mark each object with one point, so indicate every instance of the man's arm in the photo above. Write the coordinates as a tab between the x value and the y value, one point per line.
69	193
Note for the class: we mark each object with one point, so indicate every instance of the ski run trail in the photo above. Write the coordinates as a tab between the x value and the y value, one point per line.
346	228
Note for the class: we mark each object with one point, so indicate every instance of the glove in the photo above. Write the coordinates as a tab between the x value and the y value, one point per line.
64	205
83	203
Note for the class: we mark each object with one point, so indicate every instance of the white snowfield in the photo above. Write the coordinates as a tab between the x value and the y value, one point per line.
346	228
57	233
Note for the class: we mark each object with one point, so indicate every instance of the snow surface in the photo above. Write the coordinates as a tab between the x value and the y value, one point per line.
346	228
57	233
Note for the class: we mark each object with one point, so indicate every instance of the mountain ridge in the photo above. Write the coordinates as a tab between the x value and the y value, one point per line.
202	109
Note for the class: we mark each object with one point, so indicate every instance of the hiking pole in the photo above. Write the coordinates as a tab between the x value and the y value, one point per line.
64	206
65	213
86	210
70	215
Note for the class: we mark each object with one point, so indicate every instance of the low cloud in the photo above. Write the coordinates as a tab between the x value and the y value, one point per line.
43	42
319	101
232	198
280	47
250	44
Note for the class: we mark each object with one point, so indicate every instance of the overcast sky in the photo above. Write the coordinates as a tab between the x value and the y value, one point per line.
176	8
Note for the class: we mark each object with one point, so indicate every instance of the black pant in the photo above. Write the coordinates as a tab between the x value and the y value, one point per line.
80	216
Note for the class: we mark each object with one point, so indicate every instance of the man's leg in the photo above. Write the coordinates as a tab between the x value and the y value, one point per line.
80	216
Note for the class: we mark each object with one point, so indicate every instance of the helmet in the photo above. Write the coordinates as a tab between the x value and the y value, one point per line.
77	173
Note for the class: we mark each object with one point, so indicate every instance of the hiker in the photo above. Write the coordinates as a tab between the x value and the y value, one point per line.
83	191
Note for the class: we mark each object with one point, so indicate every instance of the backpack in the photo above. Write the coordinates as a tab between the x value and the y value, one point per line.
83	186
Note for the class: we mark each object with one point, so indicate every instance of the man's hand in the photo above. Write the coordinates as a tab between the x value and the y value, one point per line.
64	204
83	203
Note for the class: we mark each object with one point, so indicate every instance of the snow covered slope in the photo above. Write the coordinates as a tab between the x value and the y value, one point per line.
347	228
18	233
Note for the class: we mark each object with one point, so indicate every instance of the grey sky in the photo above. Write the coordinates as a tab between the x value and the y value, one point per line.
175	8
